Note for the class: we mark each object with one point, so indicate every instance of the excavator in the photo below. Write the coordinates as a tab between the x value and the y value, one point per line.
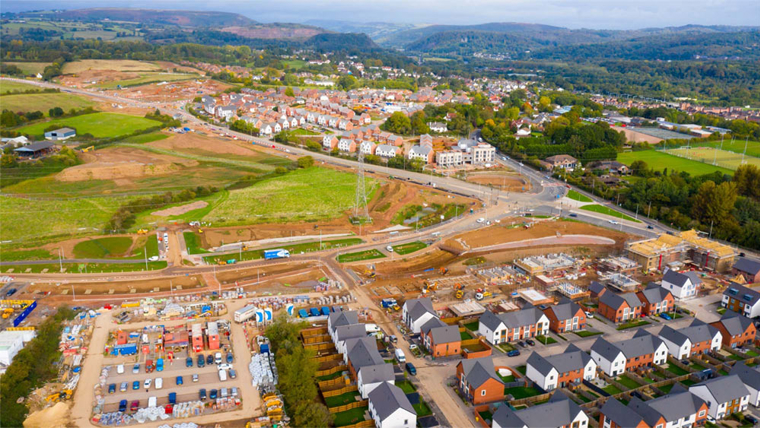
63	395
444	270
370	273
7	312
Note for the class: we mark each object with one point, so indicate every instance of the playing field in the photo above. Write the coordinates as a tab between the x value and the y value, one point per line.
11	86
108	64
100	125
658	161
44	102
305	194
712	156
736	146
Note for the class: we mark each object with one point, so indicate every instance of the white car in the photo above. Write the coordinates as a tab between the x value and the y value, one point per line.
159	382
613	222
589	314
195	378
389	249
147	383
481	220
225	366
153	259
120	369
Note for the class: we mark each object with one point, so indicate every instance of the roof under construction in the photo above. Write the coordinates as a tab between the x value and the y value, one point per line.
690	238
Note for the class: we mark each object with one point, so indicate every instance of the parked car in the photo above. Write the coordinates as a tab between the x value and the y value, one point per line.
180	381
172	398
123	405
225	366
112	388
195	378
521	343
233	374
169	409
665	316
210	359
411	369
202	394
650	227
136	368
530	342
201	361
218	358
189	362
229	357
751	419
136	385
10	292
589	314
123	387
212	394
573	215
148	382
120	369
135	405
513	353
223	392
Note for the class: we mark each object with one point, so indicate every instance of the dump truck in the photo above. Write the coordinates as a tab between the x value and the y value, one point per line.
276	254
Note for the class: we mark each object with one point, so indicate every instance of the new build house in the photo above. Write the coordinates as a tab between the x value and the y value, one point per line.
642	350
441	339
345	332
679	408
742	300
361	352
508	326
566	316
682	285
390	408
619	307
478	382
736	330
655	300
559	411
724	395
696	339
416	312
747	268
337	319
560	370
370	377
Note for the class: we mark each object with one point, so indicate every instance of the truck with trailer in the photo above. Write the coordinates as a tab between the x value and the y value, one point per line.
246	313
276	254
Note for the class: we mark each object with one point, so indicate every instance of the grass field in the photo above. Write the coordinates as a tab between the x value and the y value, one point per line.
578	197
349	417
305	194
59	217
522	392
307	247
145	138
193	243
601	209
586	333
9	86
108	64
147	78
30	67
409	248
709	155
89	267
44	102
361	255
19	255
632	324
102	247
100	125
658	161
753	147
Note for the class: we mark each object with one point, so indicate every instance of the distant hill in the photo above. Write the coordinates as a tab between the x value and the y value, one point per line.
275	31
183	18
377	31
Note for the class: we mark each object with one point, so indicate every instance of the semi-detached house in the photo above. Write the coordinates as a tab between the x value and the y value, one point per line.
390	408
655	300
682	285
642	350
737	330
505	327
416	312
619	307
370	377
441	339
696	339
566	316
741	299
558	412
724	395
361	352
478	382
679	408
750	377
558	371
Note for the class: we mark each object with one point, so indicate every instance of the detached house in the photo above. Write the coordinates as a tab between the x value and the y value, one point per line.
696	339
560	370
679	408
655	300
619	307
566	316
559	411
682	285
390	408
370	377
741	299
724	395
441	339
642	350
417	312
478	382
565	162
525	323
736	330
748	268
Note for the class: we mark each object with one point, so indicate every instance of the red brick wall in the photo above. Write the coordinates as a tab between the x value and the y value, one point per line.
632	364
747	337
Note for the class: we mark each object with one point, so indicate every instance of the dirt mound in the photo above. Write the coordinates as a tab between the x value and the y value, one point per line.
500	180
197	144
181	209
52	417
122	162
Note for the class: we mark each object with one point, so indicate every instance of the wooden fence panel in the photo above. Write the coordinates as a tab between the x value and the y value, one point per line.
333	357
349	406
339	391
332	370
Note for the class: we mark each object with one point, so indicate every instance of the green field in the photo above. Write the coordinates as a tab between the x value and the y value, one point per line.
193	243
145	138
44	102
294	249
601	209
302	195
349	417
578	197
522	391
100	125
658	161
90	267
632	324
10	86
57	217
709	155
361	255
753	147
19	255
102	247
29	67
409	248
147	78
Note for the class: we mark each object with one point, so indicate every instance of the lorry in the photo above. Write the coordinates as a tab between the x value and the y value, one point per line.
276	254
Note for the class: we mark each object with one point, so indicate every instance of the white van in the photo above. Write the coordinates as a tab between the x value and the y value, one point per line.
222	375
152	402
436	233
400	357
371	328
159	382
120	369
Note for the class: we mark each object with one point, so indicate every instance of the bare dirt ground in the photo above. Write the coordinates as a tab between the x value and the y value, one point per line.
194	142
637	137
500	179
501	233
123	287
174	91
115	163
52	417
181	209
67	246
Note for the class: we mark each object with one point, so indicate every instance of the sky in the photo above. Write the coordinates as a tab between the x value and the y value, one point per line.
596	14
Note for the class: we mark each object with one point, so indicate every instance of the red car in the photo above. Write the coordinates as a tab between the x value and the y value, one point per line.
169	409
135	405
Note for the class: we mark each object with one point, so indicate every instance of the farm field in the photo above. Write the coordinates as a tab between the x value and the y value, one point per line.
30	67
147	78
658	161
108	64
7	86
306	194
601	209
100	125
44	102
708	155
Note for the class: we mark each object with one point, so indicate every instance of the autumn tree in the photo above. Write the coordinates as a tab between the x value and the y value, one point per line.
714	203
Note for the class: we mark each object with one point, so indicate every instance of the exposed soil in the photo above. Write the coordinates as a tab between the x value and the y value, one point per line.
181	209
123	287
68	246
174	91
56	416
194	142
115	163
503	180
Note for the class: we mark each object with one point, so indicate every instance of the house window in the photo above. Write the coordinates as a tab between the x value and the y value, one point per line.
702	413
483	393
659	426
406	421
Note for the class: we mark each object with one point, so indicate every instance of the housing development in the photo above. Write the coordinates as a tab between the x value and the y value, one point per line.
210	221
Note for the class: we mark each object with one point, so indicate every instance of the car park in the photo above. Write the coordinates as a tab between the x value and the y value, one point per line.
180	381
202	394
513	353
123	405
112	388
136	385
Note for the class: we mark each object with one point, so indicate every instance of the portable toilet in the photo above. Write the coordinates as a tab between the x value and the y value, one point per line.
302	313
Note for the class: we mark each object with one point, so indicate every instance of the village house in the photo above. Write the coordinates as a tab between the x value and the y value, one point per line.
735	329
642	350
619	307
724	395
655	300
416	312
559	411
614	167
565	162
742	300
511	326
566	316
478	382
679	408
558	371
696	339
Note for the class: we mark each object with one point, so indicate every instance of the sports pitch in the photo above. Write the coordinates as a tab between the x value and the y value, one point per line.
710	156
